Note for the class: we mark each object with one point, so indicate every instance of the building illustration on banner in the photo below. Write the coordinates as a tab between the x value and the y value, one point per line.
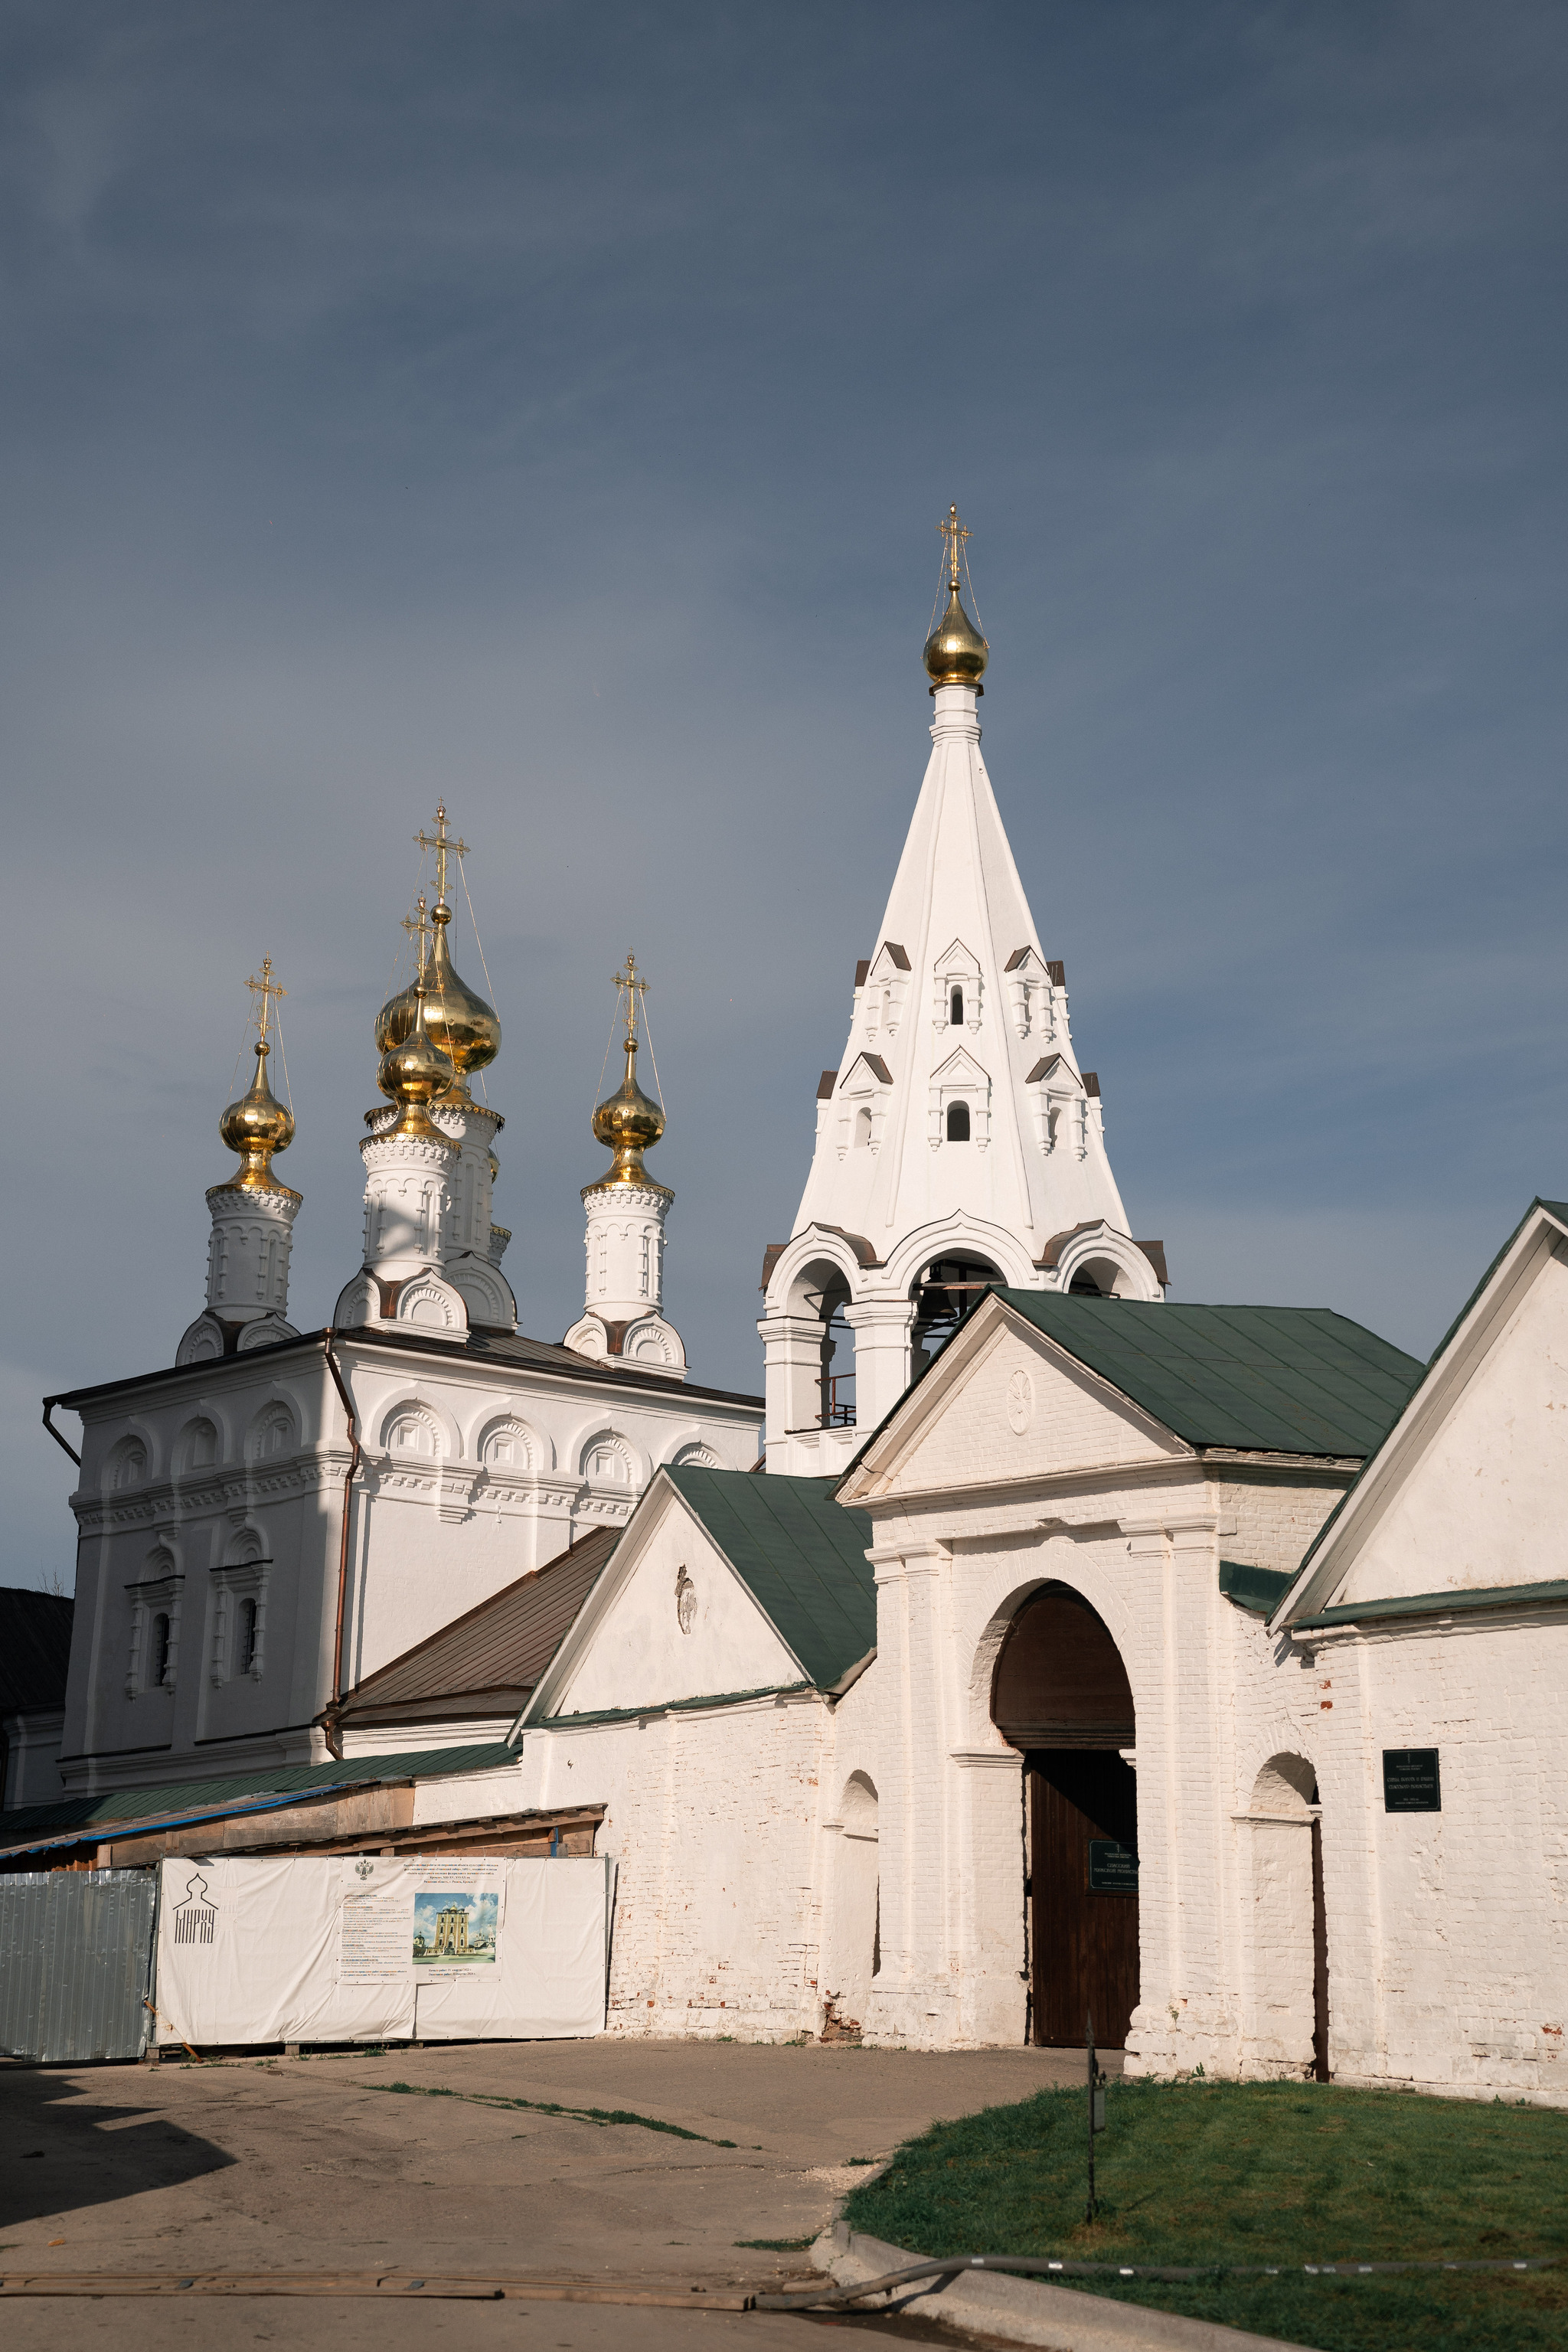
455	1930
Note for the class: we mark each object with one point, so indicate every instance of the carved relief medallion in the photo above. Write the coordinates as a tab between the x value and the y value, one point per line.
685	1602
1020	1402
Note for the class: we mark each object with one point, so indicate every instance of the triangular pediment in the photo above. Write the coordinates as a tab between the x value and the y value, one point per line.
889	962
1004	1402
865	1072
956	961
960	1069
1469	1491
668	1621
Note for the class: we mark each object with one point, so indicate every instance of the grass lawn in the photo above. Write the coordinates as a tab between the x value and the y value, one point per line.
1261	2172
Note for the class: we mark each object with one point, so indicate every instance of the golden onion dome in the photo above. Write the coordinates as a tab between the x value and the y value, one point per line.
456	1019
629	1124
256	1126
413	1074
955	652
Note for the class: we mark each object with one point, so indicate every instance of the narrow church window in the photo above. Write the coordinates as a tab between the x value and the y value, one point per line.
958	1122
247	1641
863	1124
955	1008
160	1650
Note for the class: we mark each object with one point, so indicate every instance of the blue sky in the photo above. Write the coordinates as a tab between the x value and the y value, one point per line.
552	407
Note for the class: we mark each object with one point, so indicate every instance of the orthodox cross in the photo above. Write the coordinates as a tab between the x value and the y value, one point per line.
266	989
957	532
418	928
632	980
444	844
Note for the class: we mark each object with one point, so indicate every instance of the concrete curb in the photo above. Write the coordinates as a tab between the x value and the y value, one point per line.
1063	2317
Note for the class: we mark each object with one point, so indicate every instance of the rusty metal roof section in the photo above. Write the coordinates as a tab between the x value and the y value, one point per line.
489	1661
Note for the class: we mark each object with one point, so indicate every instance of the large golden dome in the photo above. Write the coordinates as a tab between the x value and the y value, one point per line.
256	1126
629	1124
458	1022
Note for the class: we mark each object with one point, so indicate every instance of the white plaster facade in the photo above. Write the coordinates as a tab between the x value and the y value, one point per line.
958	1125
206	1488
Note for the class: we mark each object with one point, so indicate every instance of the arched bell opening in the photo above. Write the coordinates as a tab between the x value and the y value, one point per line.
943	1292
1061	1694
822	1383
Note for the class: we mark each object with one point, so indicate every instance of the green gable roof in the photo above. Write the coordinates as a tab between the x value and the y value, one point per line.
800	1555
1283	1380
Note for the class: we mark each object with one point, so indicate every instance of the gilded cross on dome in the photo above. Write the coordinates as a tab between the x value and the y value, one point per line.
445	846
636	986
264	987
951	529
419	931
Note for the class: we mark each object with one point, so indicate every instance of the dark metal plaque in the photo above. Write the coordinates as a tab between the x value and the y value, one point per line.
1410	1781
1112	1868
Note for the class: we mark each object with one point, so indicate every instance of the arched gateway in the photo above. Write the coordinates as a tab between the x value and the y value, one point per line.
1061	1694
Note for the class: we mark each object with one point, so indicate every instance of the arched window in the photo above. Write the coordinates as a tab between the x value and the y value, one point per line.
955	1008
245	1638
160	1650
128	1466
863	1124
274	1432
958	1122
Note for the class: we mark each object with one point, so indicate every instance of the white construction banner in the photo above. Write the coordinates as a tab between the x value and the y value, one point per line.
361	1947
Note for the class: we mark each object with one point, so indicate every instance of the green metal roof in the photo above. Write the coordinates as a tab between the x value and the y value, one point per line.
1261	1590
801	1556
702	1704
1280	1379
214	1795
1435	1604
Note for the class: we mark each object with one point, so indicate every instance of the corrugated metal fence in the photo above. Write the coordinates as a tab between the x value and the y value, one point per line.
76	1963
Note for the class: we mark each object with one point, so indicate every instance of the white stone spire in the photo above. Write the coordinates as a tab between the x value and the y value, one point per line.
958	1131
252	1213
626	1209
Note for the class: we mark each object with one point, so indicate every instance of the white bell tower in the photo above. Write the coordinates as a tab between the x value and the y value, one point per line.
252	1216
626	1209
958	1142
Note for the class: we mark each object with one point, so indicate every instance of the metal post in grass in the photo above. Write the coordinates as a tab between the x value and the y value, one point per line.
1095	2112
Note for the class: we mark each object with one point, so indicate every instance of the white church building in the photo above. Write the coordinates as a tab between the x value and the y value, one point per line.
1052	1647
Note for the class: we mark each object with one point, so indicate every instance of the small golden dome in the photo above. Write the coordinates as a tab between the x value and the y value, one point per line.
627	1124
256	1126
456	1019
955	652
415	1072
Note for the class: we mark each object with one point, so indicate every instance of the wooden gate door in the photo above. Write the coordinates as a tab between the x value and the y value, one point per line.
1083	1880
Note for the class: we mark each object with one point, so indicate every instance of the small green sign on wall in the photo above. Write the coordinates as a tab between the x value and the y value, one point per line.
1410	1781
1112	1867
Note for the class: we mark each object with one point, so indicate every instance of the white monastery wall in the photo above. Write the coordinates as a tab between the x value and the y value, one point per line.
714	1819
1447	1931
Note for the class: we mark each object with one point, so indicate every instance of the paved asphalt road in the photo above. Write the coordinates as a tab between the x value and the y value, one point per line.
316	2164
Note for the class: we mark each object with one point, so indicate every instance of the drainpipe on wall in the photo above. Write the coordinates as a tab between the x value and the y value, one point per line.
329	1715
